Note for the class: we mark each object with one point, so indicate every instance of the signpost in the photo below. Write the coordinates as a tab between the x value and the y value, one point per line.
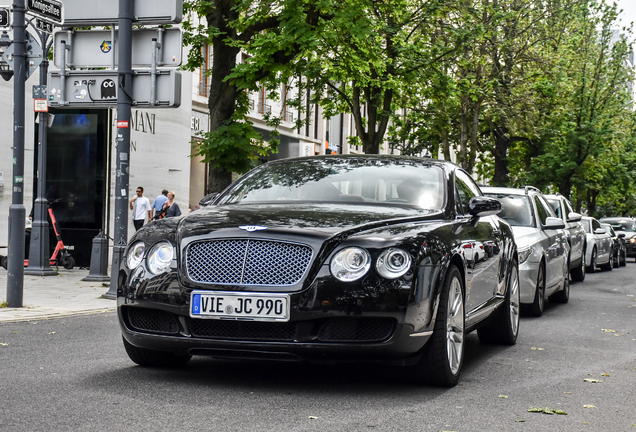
5	16
44	26
47	9
98	89
95	48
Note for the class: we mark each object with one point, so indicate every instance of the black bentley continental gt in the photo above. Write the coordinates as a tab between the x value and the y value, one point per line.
363	258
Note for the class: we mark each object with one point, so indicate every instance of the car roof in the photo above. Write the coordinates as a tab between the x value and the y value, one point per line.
502	190
589	218
617	219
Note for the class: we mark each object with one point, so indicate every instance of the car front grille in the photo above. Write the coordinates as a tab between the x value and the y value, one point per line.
247	262
243	330
152	320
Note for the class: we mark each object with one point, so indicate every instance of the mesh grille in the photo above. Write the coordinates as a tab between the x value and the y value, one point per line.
247	262
244	330
152	320
356	330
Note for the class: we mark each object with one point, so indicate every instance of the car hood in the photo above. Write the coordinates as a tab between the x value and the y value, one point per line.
525	236
313	220
628	234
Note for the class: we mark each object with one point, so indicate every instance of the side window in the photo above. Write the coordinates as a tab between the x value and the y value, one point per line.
466	189
595	225
568	208
551	212
541	211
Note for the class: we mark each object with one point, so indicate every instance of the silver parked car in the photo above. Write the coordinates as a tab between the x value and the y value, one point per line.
542	246
627	226
574	230
599	245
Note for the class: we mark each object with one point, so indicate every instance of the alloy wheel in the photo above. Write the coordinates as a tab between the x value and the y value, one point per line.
455	326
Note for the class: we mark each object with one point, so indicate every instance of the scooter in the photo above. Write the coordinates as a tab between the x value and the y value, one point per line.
60	256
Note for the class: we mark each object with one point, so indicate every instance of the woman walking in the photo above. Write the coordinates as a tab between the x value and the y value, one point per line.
172	208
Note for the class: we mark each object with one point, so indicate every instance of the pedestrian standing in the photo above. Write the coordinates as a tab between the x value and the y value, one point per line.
141	208
158	203
171	207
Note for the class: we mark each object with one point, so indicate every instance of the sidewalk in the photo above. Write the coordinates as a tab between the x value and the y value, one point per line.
55	296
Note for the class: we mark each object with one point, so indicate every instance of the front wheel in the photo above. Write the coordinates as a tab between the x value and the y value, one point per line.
443	356
536	308
578	274
592	267
68	262
623	259
504	328
146	357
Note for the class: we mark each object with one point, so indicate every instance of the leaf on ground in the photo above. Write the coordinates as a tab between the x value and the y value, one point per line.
538	349
520	421
312	418
586	423
605	374
609	331
546	410
4	344
560	411
590	380
51	332
503	397
567	392
589	406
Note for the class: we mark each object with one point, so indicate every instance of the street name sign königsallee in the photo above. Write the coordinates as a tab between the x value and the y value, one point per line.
84	13
95	48
48	9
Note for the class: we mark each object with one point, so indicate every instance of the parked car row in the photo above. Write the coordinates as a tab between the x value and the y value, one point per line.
372	258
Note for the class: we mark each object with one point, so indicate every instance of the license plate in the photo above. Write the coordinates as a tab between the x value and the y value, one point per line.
231	305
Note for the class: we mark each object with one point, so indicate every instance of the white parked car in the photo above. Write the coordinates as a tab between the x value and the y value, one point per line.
542	245
598	251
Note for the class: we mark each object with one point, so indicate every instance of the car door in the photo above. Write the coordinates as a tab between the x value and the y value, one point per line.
577	234
554	245
603	242
481	274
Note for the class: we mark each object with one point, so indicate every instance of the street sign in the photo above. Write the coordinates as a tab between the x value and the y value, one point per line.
44	26
86	89
39	105
48	9
94	48
85	13
5	16
33	52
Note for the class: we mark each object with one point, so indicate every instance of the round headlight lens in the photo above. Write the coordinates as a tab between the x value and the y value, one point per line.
393	263
350	264
160	257
135	255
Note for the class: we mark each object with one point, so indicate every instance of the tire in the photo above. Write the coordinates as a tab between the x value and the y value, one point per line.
616	260
146	357
443	355
610	263
68	263
503	329
592	267
578	274
623	259
537	306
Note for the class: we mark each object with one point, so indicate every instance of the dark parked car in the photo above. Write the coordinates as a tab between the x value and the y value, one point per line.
619	249
327	259
627	226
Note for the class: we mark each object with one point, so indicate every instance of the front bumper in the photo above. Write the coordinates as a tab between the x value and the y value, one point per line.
631	249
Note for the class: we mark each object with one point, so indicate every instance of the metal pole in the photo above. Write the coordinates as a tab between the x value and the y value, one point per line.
124	104
39	261
15	268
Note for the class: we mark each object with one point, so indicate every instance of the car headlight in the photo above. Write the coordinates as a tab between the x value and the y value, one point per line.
632	240
393	263
160	257
350	264
524	254
135	255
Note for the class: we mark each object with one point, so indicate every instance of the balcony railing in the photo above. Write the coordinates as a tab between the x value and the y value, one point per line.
264	108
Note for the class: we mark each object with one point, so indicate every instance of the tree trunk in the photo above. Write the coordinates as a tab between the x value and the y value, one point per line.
463	137
500	177
223	94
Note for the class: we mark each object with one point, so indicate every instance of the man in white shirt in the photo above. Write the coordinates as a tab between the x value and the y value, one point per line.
141	208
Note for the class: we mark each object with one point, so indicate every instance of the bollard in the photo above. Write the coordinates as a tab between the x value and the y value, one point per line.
99	260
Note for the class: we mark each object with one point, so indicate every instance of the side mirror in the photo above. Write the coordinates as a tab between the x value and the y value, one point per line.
599	231
483	206
574	217
206	200
553	223
621	235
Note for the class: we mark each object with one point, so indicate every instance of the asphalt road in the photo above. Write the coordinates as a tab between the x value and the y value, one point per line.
73	374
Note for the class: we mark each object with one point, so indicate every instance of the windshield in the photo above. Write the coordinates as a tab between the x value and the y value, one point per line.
623	226
556	206
352	180
586	225
516	209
